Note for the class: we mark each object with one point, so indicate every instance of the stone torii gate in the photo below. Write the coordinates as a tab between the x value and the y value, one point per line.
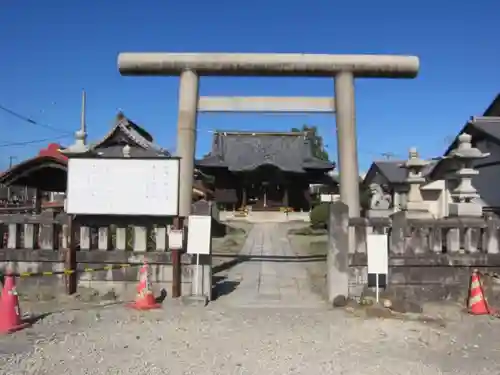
343	68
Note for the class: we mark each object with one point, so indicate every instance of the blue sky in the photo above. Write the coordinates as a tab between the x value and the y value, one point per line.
52	49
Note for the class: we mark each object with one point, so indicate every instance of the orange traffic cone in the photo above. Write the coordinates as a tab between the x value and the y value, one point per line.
476	303
145	299
10	313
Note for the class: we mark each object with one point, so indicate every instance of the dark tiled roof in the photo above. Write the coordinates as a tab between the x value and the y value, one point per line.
494	108
130	133
392	170
245	151
487	125
484	126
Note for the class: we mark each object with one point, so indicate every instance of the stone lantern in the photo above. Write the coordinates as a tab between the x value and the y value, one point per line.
415	205
464	196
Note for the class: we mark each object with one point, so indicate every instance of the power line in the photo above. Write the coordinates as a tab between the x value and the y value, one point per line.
31	121
388	155
24	143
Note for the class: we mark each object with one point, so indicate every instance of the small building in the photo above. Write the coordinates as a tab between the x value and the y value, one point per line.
264	170
485	133
34	182
47	172
390	176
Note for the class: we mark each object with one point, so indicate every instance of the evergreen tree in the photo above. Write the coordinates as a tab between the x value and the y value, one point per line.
315	140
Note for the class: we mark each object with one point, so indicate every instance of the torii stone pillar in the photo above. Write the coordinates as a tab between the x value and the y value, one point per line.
344	68
186	137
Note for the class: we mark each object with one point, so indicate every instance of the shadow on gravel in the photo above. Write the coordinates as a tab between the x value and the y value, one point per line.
264	258
32	319
83	307
222	286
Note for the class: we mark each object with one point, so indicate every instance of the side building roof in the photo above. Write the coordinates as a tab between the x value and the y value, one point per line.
480	128
494	108
393	171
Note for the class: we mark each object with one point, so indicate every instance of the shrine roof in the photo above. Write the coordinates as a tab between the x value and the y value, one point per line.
126	132
246	151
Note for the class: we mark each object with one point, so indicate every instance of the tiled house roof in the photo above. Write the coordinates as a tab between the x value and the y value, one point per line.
393	171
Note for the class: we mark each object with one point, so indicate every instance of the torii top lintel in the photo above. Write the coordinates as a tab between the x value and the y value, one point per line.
268	64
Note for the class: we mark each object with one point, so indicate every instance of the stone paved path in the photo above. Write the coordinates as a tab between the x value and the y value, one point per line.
272	276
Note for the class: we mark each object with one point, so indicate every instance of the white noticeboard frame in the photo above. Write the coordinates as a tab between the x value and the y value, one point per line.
378	257
199	239
123	186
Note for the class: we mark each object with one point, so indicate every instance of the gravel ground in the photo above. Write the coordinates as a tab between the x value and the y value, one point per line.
218	340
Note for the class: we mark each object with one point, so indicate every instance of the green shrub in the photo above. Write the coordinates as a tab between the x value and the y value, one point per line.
320	215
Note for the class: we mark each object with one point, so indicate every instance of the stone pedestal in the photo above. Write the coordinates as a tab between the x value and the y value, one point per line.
194	300
201	284
418	210
465	209
374	213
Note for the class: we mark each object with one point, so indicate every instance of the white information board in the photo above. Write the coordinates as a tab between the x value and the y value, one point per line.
131	187
329	197
378	257
199	239
175	239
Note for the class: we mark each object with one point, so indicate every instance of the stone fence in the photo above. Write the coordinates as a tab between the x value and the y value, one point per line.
32	243
429	260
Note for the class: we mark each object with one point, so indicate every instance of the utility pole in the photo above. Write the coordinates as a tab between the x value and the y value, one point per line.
11	159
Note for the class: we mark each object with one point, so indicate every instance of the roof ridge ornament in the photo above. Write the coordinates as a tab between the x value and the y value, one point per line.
126	151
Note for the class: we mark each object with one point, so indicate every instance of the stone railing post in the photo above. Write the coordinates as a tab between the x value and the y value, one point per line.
398	233
491	234
338	251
